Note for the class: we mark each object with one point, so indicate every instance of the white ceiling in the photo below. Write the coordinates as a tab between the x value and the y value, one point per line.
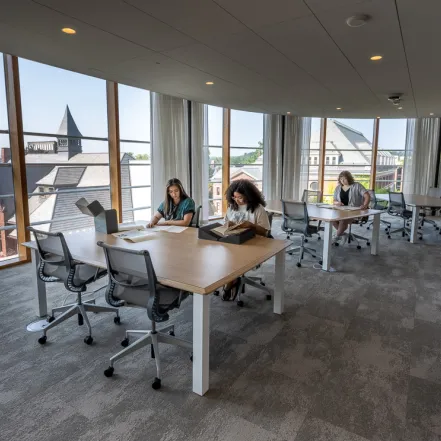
269	56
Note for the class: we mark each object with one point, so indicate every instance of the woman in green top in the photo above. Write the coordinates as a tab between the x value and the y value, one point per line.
177	209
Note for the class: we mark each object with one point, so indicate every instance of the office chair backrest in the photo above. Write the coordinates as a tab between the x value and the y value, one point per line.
373	199
55	257
195	220
132	278
312	197
397	204
295	216
270	215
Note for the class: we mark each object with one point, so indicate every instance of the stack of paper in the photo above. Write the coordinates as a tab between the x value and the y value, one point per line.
134	235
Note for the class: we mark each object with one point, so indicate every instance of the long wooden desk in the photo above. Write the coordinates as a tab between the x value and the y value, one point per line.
183	261
416	202
329	215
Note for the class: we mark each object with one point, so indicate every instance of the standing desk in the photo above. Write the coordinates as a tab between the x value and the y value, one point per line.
328	215
182	261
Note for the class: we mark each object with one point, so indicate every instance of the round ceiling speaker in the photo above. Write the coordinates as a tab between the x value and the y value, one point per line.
358	20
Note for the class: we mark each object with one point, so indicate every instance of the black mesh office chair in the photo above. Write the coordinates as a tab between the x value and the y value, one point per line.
57	265
397	208
132	282
376	204
195	220
313	197
295	222
436	193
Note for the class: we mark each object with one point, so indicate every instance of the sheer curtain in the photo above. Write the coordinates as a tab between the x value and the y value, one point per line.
199	173
420	157
295	156
170	149
272	156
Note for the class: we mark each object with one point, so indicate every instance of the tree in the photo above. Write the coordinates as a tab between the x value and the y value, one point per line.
143	156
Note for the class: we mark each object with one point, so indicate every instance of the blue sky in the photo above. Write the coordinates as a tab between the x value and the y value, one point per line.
46	90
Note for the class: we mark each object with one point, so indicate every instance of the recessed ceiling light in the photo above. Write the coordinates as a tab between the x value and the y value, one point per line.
432	114
209	83
338	108
376	57
288	113
378	117
358	20
69	31
399	108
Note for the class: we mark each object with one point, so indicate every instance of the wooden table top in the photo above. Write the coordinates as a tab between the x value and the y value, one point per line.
323	214
415	200
181	260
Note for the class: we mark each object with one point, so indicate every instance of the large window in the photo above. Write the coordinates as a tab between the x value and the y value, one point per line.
314	154
8	241
246	150
390	156
213	158
66	147
348	147
134	119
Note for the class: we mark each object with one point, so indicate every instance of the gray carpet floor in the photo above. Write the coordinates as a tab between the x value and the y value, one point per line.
356	356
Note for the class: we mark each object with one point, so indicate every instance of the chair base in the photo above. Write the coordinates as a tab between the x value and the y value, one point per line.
149	337
352	237
256	282
81	310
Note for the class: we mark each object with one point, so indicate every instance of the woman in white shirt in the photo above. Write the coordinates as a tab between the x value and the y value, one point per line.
246	205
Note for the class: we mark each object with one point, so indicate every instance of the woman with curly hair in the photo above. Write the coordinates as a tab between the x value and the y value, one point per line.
246	206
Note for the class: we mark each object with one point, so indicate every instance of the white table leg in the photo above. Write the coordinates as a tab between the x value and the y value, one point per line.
279	291
326	266
38	286
201	343
414	226
375	235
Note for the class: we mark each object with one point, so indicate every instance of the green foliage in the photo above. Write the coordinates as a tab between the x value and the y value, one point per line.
143	156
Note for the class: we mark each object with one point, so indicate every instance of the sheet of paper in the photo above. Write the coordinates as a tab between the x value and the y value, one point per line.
168	228
347	208
134	235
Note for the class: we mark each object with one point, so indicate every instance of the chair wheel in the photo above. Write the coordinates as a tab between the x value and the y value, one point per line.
319	238
117	320
358	247
306	240
156	384
172	333
191	357
421	237
268	297
262	283
298	264
367	228
88	340
42	340
80	320
240	303
336	244
109	372
216	293
320	262
368	243
408	240
437	228
50	319
125	343
403	234
388	237
314	256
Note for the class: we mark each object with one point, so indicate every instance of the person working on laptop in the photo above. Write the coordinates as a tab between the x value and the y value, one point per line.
348	192
176	209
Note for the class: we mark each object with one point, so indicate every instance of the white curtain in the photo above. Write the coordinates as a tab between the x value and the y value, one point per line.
420	155
295	156
199	173
170	149
272	157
